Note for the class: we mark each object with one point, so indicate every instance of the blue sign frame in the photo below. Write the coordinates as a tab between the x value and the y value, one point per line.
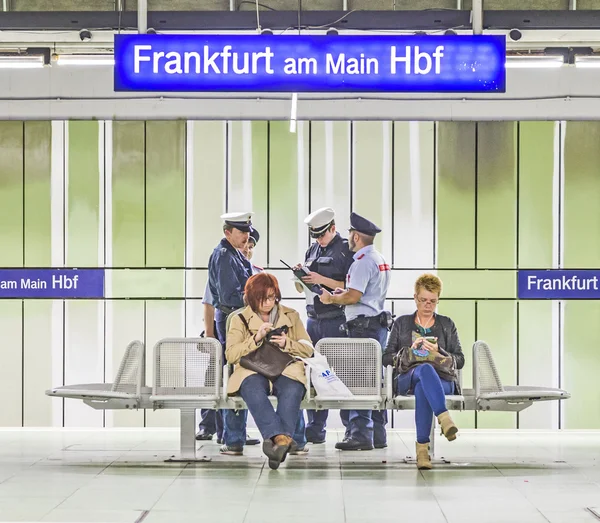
558	284
310	63
52	283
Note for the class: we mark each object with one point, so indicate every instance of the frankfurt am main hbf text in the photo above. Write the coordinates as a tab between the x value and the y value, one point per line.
408	60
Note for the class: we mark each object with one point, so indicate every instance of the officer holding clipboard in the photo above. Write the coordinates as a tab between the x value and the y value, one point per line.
325	265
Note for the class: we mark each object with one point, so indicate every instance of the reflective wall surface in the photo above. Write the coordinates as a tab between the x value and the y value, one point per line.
471	201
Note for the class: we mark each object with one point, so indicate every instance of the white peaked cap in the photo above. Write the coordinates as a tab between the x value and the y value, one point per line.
320	218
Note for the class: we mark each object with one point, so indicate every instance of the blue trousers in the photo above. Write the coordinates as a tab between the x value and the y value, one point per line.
255	390
430	391
317	419
368	426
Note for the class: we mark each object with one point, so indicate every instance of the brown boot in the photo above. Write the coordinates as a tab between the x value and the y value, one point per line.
276	449
449	429
423	459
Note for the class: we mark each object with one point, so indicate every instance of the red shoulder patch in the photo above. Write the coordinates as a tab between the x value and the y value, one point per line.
384	267
360	257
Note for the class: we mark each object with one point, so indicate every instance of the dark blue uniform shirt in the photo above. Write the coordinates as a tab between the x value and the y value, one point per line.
332	261
228	272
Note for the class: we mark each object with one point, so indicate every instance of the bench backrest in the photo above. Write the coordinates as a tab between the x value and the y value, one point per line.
356	361
132	370
187	367
485	373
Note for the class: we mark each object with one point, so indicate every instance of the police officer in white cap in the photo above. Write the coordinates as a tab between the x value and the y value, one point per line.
228	272
328	260
367	284
212	422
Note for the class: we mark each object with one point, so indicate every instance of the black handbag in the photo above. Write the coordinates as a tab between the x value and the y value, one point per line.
268	360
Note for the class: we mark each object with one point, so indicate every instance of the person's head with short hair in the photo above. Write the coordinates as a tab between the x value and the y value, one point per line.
262	292
321	225
248	250
428	289
237	227
361	233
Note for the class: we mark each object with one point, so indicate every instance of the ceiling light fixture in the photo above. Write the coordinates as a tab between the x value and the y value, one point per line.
84	59
534	62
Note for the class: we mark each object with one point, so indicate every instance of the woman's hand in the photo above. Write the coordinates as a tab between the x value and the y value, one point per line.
280	341
262	332
422	342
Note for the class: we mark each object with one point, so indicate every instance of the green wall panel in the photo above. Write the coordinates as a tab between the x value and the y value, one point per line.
128	194
537	159
330	164
288	192
248	174
84	323
538	360
581	364
372	179
455	196
581	250
42	341
165	194
11	255
497	325
496	194
83	195
165	233
11	194
37	194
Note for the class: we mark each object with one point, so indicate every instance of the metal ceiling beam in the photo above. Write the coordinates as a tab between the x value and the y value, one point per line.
280	20
142	16
477	19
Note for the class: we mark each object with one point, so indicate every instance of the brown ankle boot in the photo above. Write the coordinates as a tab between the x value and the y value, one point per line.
449	429
423	459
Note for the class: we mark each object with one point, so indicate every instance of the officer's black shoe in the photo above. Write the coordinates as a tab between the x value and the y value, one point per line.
351	444
315	441
202	435
251	441
380	445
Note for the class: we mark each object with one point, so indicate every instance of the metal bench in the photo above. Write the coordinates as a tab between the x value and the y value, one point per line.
187	376
491	395
127	390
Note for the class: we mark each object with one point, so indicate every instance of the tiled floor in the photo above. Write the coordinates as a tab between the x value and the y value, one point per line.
120	476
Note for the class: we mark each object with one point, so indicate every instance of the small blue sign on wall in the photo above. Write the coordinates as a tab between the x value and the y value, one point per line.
310	63
51	283
559	284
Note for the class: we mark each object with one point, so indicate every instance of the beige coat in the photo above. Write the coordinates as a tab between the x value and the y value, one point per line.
240	342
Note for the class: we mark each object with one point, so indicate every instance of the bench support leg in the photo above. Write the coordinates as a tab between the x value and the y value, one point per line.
187	437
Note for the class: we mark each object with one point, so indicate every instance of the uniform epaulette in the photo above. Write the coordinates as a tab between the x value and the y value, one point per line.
360	257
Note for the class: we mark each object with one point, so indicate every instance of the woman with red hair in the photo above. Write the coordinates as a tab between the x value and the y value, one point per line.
247	333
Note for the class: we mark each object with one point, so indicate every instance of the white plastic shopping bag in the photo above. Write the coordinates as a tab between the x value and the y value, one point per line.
324	380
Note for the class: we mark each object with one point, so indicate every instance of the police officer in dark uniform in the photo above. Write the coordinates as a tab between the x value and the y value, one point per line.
228	272
328	260
212	421
367	284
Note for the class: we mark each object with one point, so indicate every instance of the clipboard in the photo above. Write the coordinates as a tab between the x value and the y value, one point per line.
301	273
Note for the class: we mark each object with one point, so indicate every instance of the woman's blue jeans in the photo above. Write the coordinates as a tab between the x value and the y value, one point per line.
430	391
255	390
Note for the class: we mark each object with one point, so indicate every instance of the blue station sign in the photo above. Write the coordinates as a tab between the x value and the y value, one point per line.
309	63
559	284
51	283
